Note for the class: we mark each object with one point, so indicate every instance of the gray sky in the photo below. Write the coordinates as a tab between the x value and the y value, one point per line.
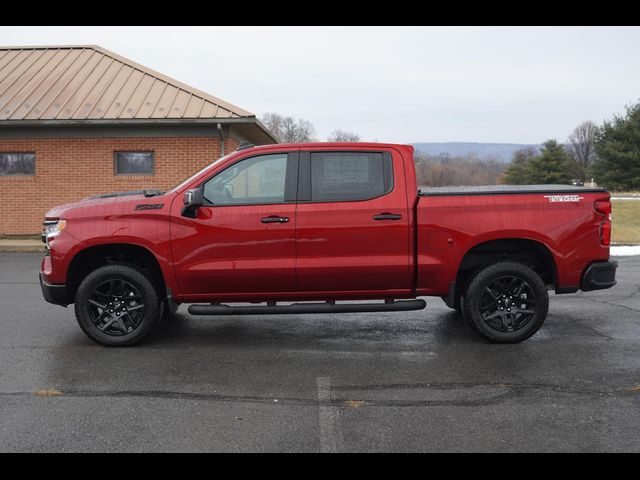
396	84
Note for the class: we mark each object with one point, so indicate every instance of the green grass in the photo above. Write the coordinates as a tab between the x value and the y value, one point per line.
626	221
20	237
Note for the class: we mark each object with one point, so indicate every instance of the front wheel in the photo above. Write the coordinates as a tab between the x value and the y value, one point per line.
117	305
506	302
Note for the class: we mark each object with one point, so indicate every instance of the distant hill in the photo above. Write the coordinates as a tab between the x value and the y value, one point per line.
499	151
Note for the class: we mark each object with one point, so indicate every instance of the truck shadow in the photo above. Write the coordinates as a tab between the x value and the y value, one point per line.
346	330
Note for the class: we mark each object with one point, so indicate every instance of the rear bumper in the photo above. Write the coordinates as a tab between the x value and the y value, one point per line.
56	294
598	276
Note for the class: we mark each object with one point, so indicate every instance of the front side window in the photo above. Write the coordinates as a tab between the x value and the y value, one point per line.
134	163
349	176
17	163
255	180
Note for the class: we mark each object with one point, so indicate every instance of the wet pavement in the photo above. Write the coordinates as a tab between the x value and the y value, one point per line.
410	381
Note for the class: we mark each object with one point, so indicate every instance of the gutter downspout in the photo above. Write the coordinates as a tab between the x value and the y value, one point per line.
221	139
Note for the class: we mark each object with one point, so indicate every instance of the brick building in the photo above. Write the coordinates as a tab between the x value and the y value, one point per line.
81	120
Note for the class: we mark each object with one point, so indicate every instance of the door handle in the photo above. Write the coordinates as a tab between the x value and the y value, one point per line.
387	216
275	219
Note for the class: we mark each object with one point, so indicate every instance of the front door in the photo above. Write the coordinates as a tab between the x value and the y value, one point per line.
353	223
243	239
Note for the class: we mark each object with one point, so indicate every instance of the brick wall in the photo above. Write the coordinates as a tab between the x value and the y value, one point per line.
68	169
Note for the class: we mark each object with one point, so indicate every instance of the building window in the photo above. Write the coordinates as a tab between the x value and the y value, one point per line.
17	163
134	163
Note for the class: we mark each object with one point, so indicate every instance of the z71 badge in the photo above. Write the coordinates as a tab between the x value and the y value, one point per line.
563	198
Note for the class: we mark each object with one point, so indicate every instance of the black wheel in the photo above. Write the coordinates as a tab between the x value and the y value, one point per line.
117	305
506	302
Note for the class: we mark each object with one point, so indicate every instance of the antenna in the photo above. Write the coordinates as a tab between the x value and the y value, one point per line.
245	145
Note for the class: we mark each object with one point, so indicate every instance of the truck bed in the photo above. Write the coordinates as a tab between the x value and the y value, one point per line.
424	191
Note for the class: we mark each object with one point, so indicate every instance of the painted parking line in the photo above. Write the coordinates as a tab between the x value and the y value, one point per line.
328	418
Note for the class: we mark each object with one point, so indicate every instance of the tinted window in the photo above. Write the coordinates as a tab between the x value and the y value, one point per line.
343	176
254	180
13	163
134	163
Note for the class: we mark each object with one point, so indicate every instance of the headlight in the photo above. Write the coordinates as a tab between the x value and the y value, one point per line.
53	228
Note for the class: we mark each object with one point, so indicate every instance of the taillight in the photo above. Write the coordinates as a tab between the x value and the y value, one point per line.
604	207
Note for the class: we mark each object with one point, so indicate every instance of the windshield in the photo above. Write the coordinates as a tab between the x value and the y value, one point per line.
188	180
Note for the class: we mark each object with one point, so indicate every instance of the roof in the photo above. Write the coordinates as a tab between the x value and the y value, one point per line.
336	145
88	82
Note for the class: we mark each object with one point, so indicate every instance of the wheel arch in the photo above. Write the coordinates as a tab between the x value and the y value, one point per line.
95	256
531	252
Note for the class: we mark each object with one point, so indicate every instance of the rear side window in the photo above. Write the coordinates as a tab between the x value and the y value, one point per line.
349	176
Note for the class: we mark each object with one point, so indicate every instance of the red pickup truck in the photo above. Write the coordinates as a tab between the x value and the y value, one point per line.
324	228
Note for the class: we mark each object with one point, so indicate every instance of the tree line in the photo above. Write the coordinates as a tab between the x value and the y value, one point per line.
445	170
438	170
608	153
291	130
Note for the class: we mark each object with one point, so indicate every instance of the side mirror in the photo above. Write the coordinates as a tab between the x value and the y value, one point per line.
193	199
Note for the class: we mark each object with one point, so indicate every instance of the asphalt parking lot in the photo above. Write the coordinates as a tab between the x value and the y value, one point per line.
416	381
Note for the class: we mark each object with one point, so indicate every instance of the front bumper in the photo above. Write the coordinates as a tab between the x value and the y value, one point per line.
599	275
56	294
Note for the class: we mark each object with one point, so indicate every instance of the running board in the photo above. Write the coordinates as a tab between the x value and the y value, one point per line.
399	306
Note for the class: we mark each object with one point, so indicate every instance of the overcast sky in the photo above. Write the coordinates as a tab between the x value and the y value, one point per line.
396	84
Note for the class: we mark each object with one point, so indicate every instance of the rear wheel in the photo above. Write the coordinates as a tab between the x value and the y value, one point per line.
506	302
117	305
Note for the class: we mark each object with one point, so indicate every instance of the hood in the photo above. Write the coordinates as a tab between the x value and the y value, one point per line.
102	199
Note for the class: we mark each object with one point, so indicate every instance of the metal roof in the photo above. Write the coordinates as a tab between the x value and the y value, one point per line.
88	82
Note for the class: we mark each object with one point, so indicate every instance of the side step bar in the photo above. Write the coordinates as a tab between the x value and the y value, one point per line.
399	306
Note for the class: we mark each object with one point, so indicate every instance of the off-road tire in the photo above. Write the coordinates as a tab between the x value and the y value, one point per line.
482	288
121	274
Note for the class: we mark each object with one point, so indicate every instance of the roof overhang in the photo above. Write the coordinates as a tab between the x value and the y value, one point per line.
248	127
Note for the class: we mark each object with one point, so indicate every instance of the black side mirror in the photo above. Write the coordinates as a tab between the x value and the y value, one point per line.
193	199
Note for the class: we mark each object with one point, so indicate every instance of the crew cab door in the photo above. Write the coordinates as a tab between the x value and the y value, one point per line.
353	222
243	238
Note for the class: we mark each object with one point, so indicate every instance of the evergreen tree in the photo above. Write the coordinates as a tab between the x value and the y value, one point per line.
518	171
550	166
618	147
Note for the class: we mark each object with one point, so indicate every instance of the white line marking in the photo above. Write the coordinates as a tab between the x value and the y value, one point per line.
624	250
328	419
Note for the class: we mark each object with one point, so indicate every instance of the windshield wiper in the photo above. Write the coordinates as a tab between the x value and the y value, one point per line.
152	193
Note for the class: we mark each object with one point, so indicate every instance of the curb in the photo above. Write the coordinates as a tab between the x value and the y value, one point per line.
20	249
17	246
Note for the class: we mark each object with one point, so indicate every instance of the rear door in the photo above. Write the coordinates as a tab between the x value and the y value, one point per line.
352	231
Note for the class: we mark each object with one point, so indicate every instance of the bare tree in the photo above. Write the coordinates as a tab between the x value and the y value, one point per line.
443	169
288	129
299	131
273	123
343	136
581	148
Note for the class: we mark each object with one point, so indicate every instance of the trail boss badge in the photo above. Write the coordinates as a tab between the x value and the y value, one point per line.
563	198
